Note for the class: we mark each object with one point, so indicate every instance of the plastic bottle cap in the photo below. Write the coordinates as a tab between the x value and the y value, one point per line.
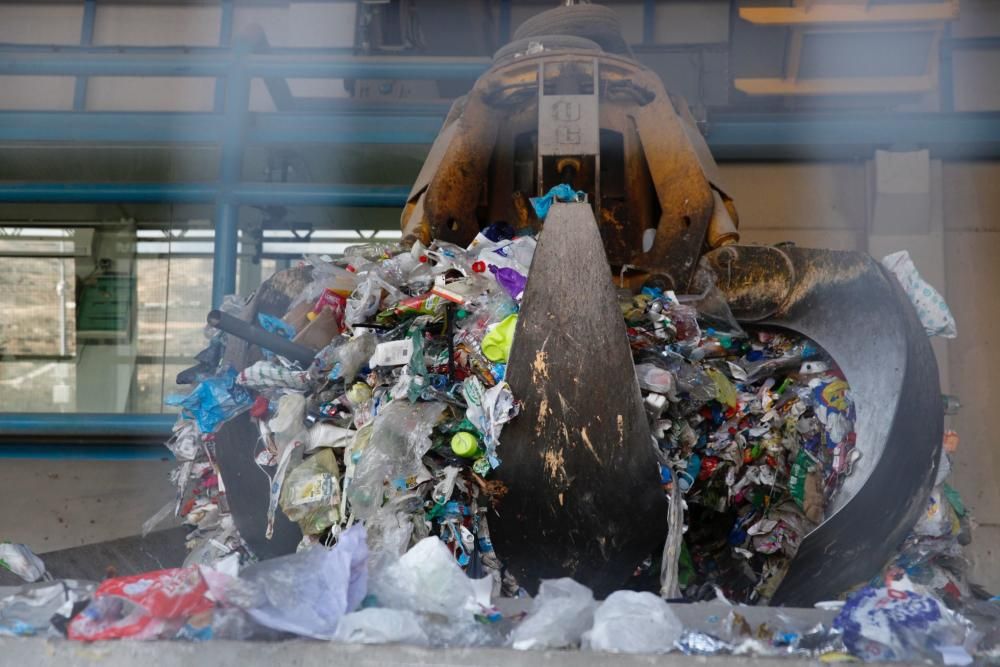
479	266
465	444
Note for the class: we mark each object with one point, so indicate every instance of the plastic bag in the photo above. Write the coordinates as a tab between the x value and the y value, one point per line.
381	626
400	438
152	605
325	276
938	519
213	401
561	192
709	301
270	375
352	356
324	434
310	495
390	530
899	623
515	254
488	410
290	437
632	622
20	560
367	297
653	378
305	593
931	308
29	610
427	579
559	616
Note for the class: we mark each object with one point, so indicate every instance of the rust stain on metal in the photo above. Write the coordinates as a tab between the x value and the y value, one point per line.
588	444
543	414
540	367
494	489
554	462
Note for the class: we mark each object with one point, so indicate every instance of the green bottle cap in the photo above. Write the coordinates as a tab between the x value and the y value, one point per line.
465	444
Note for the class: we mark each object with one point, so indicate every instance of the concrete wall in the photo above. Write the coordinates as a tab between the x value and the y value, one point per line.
58	504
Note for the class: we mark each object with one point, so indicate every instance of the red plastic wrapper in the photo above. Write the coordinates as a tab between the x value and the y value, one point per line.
333	300
153	605
708	466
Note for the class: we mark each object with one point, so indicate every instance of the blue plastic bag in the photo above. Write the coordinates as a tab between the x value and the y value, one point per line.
213	401
561	192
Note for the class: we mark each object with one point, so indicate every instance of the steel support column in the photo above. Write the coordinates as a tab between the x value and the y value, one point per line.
230	173
86	39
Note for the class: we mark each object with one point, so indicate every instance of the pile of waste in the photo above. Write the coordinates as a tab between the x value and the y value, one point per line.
757	430
381	442
396	422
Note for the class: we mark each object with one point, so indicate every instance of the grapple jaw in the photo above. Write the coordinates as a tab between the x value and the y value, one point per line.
855	310
583	494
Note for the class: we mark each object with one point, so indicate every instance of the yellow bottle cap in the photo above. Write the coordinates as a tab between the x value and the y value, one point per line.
465	444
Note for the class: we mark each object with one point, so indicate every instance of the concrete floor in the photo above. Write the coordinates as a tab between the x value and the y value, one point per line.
43	653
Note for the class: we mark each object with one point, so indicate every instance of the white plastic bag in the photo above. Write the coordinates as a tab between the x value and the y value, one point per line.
930	305
561	613
427	579
305	593
633	622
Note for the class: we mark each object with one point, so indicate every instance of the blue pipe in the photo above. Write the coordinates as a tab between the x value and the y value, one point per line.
505	21
369	68
86	39
730	136
59	64
225	246
96	65
85	425
258	194
649	21
78	452
227	214
108	193
801	136
217	51
110	126
226	24
102	126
